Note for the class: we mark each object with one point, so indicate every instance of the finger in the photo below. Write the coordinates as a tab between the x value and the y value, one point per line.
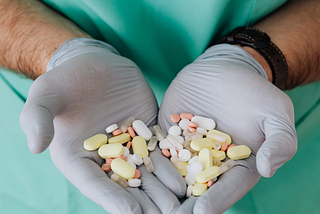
165	171
230	187
187	206
166	201
279	147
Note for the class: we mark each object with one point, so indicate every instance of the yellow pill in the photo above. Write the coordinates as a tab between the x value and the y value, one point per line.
139	146
95	142
111	150
123	138
239	152
200	143
205	158
215	135
218	154
184	171
122	168
208	174
199	189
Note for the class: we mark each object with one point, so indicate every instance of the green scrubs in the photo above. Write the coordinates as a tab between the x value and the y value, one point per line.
161	37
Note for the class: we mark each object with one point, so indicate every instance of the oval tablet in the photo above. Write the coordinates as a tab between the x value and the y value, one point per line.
95	142
239	152
139	146
188	116
208	174
218	154
123	169
193	170
134	182
200	143
141	129
111	128
204	122
123	138
199	189
111	150
205	158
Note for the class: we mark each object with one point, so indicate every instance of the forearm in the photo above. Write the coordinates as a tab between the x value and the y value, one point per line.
30	33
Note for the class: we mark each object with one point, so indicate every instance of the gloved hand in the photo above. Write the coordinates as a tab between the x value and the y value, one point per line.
228	85
89	86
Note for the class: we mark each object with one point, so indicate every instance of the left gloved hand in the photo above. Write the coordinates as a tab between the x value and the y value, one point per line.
229	86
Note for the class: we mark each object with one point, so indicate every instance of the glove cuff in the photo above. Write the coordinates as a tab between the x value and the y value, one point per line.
76	46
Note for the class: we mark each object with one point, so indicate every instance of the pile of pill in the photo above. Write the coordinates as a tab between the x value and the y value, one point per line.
197	158
118	157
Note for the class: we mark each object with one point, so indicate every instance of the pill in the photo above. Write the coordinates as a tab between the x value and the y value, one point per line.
164	144
216	162
134	182
116	132
191	150
193	170
192	136
123	158
204	122
184	171
122	182
130	161
226	166
184	155
192	129
158	132
111	128
126	152
173	152
139	146
111	150
239	152
193	124
189	191
218	154
95	142
137	174
199	189
177	163
175	118
180	139
129	145
109	160
174	130
137	160
217	146
210	183
184	124
202	130
208	174
224	147
152	143
188	116
141	129
193	159
122	168
231	145
127	124
123	138
148	164
212	133
166	152
198	144
131	132
174	142
106	167
205	158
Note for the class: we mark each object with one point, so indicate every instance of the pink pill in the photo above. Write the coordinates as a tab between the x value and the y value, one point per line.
192	129
123	158
137	174
210	183
175	118
131	132
166	152
117	132
106	167
109	160
129	145
193	124
224	147
188	116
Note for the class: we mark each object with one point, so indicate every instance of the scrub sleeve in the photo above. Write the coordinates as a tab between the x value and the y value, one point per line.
161	38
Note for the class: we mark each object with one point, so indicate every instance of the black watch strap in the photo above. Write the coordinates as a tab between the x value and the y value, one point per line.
261	42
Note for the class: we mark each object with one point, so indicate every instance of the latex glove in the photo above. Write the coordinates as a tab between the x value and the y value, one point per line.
229	86
88	87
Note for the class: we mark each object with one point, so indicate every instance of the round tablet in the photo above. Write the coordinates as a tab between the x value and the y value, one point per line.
174	130
184	155
184	124
175	118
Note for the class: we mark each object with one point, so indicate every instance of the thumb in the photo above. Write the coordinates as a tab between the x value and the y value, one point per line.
36	119
279	147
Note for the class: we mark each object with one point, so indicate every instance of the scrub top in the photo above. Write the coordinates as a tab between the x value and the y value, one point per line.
161	37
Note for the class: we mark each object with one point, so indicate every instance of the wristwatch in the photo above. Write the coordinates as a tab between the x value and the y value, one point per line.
260	41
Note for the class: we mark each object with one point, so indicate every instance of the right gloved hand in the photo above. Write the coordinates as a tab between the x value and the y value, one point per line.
88	87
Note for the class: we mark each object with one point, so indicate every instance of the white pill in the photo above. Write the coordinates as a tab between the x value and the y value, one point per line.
184	124
204	122
174	142
126	152
130	161
216	146
141	129
180	139
193	159
194	169
189	190
202	130
136	158
111	128
188	167
134	182
184	155
173	152
164	144
174	130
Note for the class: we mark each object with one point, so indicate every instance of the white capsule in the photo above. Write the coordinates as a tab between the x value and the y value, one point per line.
204	122
174	130
173	152
193	159
158	132
164	144
202	130
134	182
189	191
148	164
174	142
194	169
184	124
126	152
152	143
180	139
130	161
136	158
226	166
126	124
218	137
141	129
184	155
111	128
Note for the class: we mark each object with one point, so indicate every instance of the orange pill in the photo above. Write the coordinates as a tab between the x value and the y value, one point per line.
166	152
193	124
117	132
109	160
210	183
129	145
123	158
175	118
106	167
188	116
192	129
137	174
131	132
224	147
231	145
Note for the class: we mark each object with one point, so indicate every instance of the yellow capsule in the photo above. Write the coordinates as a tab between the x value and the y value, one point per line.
123	138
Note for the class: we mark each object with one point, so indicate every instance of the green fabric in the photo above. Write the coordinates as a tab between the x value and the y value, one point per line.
162	38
